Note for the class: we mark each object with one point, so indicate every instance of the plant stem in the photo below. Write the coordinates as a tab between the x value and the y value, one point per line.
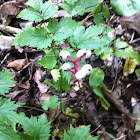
41	110
82	98
87	17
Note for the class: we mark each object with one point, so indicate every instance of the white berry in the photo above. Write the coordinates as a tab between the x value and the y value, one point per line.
80	74
66	66
81	52
64	55
88	53
84	51
87	68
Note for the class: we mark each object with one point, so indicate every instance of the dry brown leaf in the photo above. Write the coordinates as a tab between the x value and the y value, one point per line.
37	77
26	85
5	42
61	13
9	10
18	64
132	22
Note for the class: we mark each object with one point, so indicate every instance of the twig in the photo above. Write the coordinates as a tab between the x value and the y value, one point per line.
116	72
34	108
86	18
10	29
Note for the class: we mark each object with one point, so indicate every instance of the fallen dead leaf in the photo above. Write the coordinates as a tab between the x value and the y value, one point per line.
9	10
18	64
61	13
5	42
26	85
131	22
37	77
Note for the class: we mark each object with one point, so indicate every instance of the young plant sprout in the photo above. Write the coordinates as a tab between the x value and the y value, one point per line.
80	73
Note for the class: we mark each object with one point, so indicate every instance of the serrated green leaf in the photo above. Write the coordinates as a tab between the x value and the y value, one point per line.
105	50
133	54
24	136
71	1
33	37
93	138
55	74
52	103
120	44
62	84
7	113
5	81
96	77
120	53
126	8
39	128
99	93
63	29
80	134
88	39
98	18
80	7
105	11
137	72
49	61
8	133
38	11
67	75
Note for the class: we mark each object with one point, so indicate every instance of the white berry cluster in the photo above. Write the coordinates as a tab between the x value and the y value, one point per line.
85	71
80	73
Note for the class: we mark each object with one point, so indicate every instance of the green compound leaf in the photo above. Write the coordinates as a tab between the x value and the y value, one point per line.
105	11
62	84
39	128
96	77
5	81
105	52
33	37
67	75
7	133
120	44
126	7
71	1
7	113
80	134
88	39
133	54
99	93
38	11
49	61
98	18
79	7
63	29
52	103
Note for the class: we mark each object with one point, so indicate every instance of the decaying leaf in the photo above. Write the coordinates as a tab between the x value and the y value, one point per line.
5	42
10	10
18	64
37	77
129	66
132	22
